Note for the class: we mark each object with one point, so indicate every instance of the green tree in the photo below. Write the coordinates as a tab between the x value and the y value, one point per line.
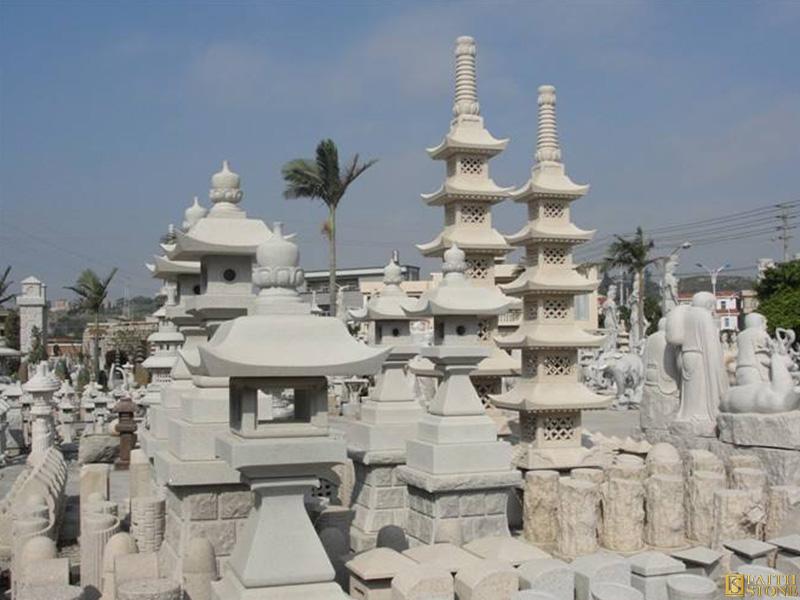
5	296
92	292
322	179
779	296
633	255
38	351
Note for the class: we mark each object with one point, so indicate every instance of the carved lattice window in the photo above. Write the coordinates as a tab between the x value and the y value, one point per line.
531	310
554	255
471	165
473	213
557	365
326	489
485	386
484	330
162	377
558	428
529	362
478	267
552	210
556	308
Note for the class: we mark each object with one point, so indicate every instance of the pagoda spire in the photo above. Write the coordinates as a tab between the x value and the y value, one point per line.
466	102
547	148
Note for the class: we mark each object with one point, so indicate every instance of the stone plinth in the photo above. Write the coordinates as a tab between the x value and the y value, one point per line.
371	573
779	430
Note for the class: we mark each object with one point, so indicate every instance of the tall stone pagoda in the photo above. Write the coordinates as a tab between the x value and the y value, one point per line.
377	442
224	243
281	348
467	196
549	395
458	473
180	281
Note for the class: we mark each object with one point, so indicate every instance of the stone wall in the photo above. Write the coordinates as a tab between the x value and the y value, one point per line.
216	513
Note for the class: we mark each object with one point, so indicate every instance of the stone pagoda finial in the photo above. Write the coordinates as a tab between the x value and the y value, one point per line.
193	214
392	273
278	274
225	186
466	82
547	148
455	263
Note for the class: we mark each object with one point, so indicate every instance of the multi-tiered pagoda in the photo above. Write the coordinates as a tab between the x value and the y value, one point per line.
549	395
467	197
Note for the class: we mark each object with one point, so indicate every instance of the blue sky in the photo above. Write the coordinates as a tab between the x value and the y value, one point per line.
114	114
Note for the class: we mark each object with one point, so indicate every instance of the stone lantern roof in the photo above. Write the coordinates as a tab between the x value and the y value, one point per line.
391	302
42	382
282	338
456	295
5	351
162	267
225	230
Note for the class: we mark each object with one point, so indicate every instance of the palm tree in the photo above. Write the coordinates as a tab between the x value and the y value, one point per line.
321	178
4	285
92	292
633	255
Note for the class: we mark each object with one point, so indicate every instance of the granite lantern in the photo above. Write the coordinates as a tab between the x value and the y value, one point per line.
281	348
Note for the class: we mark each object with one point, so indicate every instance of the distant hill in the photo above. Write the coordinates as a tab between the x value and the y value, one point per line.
725	283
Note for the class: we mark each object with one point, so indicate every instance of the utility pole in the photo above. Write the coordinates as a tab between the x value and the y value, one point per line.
784	235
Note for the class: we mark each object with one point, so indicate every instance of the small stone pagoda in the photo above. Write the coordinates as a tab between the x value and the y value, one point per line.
281	348
377	442
467	197
41	388
549	395
458	473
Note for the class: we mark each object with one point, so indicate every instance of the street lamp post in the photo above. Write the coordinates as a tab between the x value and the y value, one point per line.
713	274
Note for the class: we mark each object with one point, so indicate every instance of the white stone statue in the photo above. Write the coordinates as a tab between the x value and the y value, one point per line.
626	371
669	284
638	326
755	350
779	394
660	397
610	319
703	381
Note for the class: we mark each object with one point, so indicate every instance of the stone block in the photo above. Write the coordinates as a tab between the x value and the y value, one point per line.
221	534
444	556
578	513
548	575
601	567
504	549
200	506
622	503
691	587
734	517
94	479
700	503
615	591
371	573
778	430
750	552
423	583
540	506
701	561
649	572
702	460
235	505
788	564
149	589
664	502
487	580
783	511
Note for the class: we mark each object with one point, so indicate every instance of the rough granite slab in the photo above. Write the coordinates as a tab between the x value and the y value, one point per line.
467	481
788	543
652	563
699	555
779	430
749	547
504	549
